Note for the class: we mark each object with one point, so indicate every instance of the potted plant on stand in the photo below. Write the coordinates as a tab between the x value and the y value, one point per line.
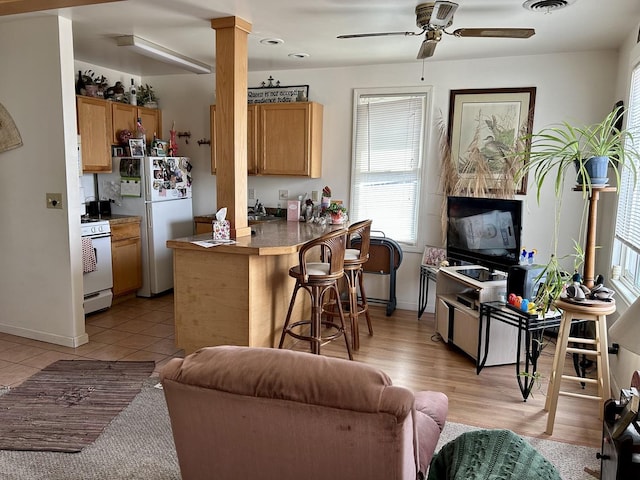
565	149
591	150
337	212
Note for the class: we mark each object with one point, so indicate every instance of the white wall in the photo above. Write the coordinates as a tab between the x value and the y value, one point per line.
41	278
569	88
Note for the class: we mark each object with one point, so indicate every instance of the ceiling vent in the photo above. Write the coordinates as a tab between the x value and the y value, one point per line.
546	6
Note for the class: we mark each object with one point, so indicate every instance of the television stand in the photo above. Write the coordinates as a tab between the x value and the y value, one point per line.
481	274
458	299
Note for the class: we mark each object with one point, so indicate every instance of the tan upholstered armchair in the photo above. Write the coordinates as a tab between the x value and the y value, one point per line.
241	412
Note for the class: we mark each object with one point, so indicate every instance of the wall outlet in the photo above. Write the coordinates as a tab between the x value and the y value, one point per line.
283	194
314	196
252	194
54	200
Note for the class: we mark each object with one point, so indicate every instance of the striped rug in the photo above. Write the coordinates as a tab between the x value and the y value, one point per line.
67	405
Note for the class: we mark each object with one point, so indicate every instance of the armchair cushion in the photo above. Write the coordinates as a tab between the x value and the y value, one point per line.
238	411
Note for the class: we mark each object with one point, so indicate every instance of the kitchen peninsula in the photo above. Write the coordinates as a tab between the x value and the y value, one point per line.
238	294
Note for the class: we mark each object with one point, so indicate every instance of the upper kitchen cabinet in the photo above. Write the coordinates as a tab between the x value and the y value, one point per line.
95	129
282	139
252	132
151	121
125	117
290	139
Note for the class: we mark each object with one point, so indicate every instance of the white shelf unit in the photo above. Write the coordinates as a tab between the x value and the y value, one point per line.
458	299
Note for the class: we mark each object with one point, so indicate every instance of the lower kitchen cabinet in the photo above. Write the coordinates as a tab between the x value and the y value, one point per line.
126	257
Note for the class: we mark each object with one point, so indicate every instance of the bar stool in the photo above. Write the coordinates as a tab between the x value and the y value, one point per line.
318	278
595	313
359	235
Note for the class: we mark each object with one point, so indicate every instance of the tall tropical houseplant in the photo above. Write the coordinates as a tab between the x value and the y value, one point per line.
562	150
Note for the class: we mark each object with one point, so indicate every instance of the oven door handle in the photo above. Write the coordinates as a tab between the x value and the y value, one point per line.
93	237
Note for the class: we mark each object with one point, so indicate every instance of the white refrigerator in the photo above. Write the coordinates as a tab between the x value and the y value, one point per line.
159	190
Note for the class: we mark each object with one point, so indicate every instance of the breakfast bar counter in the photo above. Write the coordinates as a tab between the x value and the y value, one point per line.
237	294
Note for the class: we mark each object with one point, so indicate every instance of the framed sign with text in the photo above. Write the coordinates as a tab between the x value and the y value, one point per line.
278	94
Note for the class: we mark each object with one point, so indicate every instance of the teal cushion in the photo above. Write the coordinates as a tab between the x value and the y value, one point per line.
490	455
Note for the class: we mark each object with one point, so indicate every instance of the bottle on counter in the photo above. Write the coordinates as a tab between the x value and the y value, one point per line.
133	99
80	85
140	132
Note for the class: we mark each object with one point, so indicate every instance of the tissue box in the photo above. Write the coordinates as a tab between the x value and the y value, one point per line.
293	210
221	229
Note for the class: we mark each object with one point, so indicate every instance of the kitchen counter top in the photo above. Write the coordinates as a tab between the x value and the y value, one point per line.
271	238
116	219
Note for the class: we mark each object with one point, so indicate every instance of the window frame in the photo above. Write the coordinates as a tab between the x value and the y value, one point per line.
427	92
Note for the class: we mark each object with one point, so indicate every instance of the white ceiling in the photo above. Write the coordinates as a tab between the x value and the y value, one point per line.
312	26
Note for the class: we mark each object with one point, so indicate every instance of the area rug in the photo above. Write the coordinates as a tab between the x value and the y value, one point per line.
138	444
67	405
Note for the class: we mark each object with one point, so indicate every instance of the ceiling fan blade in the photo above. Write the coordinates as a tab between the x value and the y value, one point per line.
432	37
381	34
495	32
426	49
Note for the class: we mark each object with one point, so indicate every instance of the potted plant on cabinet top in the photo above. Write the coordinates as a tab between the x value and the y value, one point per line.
338	213
590	149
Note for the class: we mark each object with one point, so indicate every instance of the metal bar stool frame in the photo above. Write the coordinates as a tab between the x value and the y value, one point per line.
318	278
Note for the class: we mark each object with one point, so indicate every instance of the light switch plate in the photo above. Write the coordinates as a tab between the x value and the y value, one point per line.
54	200
252	194
314	195
283	194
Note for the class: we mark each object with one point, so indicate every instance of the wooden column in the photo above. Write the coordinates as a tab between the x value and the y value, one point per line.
231	121
588	276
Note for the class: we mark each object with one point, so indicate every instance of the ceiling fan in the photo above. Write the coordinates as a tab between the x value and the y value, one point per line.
434	17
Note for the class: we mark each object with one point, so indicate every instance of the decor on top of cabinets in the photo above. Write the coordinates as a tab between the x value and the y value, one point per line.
91	84
270	93
485	127
9	135
146	96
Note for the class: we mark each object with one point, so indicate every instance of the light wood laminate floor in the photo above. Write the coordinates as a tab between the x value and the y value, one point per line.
406	348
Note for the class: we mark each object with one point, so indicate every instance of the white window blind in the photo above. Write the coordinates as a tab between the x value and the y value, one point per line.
628	215
387	157
626	244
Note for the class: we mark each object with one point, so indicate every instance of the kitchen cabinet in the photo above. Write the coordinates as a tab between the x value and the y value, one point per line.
252	131
125	116
290	139
126	257
99	122
283	139
94	126
203	223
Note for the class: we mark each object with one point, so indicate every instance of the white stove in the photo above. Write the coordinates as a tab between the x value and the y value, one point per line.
96	258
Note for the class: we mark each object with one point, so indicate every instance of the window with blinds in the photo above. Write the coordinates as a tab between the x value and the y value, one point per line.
388	148
626	251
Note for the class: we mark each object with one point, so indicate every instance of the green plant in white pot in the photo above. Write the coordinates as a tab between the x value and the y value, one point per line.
564	148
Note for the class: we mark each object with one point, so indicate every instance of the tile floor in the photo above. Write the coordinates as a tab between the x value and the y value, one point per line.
135	329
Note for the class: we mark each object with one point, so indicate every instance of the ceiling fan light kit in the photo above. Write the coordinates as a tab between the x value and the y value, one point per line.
434	17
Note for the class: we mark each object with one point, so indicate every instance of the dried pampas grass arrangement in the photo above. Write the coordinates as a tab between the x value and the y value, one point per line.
472	174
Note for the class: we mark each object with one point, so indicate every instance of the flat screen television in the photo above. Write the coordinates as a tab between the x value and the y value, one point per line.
484	231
